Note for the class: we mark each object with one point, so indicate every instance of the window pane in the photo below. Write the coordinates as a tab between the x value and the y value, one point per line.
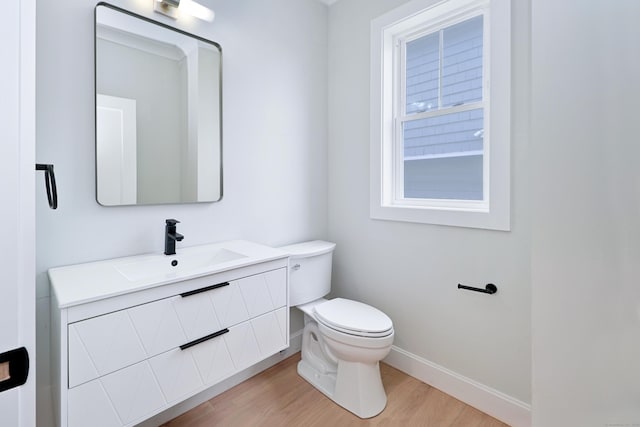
443	156
462	62
423	72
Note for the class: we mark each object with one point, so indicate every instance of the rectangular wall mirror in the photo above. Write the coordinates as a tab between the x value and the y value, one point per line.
158	112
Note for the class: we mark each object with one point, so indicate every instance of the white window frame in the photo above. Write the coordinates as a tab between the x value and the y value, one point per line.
388	35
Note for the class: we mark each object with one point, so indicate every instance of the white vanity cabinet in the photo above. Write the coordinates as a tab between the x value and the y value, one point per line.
122	358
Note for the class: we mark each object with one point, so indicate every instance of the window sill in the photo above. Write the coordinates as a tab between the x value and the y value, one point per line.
470	218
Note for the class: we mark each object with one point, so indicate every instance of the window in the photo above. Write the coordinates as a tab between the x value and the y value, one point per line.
440	113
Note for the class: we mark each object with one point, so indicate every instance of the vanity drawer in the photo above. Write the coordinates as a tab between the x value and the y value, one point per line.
104	344
182	371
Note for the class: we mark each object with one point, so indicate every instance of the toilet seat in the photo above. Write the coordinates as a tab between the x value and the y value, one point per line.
353	318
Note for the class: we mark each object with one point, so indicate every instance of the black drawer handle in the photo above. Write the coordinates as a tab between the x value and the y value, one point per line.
208	288
203	339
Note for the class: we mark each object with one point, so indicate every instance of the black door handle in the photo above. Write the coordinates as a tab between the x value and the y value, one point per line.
18	368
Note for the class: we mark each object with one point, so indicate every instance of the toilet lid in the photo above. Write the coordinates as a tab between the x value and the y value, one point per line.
353	318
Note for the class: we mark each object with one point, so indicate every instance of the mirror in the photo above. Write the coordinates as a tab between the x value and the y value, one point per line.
158	112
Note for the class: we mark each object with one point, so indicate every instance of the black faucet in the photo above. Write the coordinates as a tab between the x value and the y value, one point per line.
171	237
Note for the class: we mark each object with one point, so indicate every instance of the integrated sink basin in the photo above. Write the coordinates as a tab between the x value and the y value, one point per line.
171	265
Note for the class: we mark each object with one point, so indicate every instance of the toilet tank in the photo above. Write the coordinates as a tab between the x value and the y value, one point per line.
309	270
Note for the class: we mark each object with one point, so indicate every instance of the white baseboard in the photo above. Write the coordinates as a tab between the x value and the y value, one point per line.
295	344
490	401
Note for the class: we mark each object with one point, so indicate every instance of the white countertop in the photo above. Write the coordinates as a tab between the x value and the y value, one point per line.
83	283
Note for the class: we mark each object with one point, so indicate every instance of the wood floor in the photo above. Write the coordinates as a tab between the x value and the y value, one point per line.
280	397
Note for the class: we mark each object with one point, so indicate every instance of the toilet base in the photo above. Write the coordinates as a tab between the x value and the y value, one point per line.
357	387
348	375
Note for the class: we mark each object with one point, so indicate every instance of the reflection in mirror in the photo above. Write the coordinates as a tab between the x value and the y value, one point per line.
158	112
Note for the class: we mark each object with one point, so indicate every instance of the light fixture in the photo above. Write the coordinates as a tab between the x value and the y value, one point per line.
173	8
167	7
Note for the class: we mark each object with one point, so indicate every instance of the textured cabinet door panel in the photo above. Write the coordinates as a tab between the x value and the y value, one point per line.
271	331
242	345
229	305
89	405
177	374
277	285
110	342
134	392
117	399
264	292
213	360
197	314
83	368
158	326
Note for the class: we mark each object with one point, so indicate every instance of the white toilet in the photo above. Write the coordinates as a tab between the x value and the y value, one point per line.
343	340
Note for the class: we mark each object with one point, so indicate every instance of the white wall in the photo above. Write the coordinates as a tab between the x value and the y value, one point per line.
275	132
411	271
586	213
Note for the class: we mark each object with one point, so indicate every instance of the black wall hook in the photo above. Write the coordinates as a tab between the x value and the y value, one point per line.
50	183
489	289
